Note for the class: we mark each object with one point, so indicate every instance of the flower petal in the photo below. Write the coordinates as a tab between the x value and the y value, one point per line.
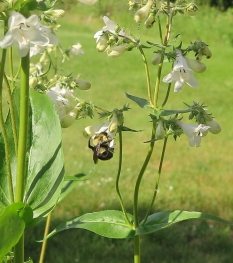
169	78
192	82
179	85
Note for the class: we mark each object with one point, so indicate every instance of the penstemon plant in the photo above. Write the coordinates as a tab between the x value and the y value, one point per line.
32	177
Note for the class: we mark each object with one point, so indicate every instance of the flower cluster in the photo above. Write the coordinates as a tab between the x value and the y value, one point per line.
68	107
113	39
27	33
174	126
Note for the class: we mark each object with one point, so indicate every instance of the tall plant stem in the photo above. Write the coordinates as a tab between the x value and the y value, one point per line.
118	177
22	147
164	43
44	244
23	129
137	249
3	129
147	76
158	179
139	178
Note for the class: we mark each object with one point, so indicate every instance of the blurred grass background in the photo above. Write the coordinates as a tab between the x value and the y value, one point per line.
198	179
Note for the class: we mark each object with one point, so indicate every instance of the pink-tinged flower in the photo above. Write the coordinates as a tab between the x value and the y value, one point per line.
181	74
194	132
26	32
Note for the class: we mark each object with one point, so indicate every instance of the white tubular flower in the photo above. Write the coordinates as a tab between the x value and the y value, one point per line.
215	128
102	44
143	12
25	32
196	65
77	49
116	51
92	131
181	74
194	132
109	26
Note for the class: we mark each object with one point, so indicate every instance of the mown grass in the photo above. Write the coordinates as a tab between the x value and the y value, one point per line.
198	179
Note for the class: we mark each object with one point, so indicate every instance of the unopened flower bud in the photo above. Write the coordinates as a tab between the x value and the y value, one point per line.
116	120
132	5
82	84
43	58
196	65
150	20
142	13
102	44
156	59
160	132
32	82
206	51
214	126
56	13
116	51
112	39
192	9
69	119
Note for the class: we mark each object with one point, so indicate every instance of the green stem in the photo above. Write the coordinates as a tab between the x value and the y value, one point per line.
164	43
11	62
19	251
141	173
23	129
167	95
137	250
118	177
12	113
160	30
158	179
147	75
44	244
22	147
3	130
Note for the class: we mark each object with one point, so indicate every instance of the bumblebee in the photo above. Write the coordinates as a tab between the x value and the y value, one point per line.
101	147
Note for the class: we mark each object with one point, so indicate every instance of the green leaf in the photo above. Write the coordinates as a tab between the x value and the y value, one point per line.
171	112
143	103
124	128
166	219
11	229
46	5
109	223
45	162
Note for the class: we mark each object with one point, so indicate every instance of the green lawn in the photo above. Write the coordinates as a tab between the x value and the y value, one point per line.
198	179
